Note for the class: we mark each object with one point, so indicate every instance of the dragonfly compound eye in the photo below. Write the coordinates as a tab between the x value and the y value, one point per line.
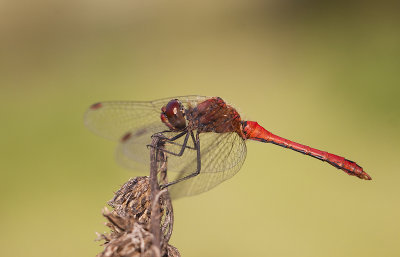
175	114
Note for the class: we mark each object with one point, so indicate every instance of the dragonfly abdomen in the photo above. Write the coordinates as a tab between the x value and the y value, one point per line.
256	132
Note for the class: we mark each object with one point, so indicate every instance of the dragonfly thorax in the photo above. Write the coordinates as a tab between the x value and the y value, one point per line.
214	115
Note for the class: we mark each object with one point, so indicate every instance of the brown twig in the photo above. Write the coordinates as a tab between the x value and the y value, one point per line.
155	189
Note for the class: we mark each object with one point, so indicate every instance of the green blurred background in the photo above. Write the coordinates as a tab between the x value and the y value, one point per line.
323	74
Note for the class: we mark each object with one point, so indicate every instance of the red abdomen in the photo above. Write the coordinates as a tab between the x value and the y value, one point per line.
254	131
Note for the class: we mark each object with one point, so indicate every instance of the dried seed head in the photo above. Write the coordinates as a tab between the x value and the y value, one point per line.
130	222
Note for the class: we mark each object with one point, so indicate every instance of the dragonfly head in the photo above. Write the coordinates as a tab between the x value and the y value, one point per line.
173	115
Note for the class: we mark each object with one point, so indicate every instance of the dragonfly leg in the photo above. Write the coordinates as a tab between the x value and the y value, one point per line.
161	135
197	172
174	143
174	138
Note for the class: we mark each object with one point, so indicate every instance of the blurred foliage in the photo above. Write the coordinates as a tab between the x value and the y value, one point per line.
322	73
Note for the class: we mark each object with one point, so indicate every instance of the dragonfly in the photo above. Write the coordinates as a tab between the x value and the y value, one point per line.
204	138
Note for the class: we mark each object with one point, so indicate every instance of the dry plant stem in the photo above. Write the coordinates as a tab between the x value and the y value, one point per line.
155	189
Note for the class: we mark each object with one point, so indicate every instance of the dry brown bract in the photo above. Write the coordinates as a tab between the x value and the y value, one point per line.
130	220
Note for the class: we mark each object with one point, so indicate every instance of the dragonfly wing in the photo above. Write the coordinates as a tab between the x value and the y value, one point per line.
222	155
113	120
133	152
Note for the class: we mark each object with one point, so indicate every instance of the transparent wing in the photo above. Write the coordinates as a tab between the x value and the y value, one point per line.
133	153
112	120
222	155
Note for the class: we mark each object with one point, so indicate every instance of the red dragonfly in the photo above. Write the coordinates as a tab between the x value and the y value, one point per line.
203	136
